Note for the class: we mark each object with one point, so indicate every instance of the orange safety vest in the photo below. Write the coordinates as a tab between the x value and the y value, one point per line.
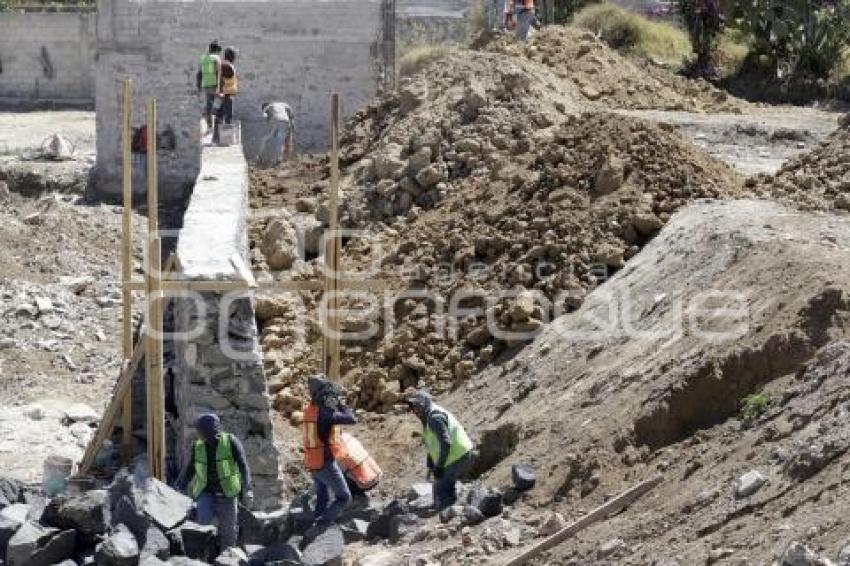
229	85
314	448
357	464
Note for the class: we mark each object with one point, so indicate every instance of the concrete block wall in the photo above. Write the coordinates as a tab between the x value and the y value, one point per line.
218	363
434	21
293	50
47	57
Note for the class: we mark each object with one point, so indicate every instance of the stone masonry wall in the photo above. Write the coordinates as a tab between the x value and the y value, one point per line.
218	360
47	57
293	50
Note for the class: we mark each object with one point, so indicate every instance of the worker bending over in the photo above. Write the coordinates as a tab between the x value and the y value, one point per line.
216	474
449	447
277	146
322	447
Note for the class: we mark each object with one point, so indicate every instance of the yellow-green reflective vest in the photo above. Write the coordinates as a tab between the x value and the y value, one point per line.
461	444
209	71
228	472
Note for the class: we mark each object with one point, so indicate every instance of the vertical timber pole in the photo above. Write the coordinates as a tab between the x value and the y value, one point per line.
332	250
127	272
153	337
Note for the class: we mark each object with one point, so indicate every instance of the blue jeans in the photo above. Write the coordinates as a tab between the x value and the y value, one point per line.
211	506
330	480
445	488
495	15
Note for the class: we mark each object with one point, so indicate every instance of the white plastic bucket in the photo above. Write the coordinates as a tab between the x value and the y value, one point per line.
57	470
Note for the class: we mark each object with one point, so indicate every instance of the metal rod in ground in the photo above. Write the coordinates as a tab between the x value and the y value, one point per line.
127	271
330	350
600	513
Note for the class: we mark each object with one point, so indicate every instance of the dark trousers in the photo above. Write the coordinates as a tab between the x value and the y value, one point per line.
212	506
445	488
330	480
224	115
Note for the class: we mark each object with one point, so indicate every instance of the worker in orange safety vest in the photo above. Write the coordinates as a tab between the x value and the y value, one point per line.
323	447
525	18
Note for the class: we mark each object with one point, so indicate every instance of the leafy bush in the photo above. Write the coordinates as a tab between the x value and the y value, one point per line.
798	38
754	405
629	32
417	57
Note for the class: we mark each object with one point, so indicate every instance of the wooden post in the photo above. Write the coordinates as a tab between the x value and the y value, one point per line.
153	327
602	512
332	249
127	272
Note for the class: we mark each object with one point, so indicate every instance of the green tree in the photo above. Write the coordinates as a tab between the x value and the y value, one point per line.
704	21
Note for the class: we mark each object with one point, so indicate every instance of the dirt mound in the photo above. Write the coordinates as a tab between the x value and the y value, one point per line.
602	75
550	214
642	378
817	180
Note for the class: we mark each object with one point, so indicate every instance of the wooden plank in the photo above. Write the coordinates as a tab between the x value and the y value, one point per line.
107	422
154	382
153	328
602	512
330	341
127	270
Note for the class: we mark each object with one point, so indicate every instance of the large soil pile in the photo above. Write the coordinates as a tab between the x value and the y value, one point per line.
480	194
604	76
642	379
817	180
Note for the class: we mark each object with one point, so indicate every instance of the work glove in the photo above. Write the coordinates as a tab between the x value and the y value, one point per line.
248	499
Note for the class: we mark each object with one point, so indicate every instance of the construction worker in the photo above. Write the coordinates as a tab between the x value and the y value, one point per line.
322	447
495	15
215	476
228	87
525	18
449	447
209	70
277	146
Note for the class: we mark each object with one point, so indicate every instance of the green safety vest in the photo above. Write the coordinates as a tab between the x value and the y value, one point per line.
209	71
461	444
225	464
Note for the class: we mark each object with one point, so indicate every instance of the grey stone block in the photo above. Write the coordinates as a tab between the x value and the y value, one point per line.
120	549
325	549
156	544
199	541
36	545
523	477
488	500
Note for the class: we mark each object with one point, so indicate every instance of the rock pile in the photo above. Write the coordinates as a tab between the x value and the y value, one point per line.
138	521
601	75
817	180
523	237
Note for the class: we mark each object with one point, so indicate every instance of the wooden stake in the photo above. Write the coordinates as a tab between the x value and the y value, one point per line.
153	331
122	389
602	512
332	251
127	272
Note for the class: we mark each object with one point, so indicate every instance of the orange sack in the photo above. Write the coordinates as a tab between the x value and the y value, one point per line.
357	464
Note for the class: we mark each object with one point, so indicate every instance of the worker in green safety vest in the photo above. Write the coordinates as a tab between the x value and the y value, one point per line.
209	74
216	475
449	447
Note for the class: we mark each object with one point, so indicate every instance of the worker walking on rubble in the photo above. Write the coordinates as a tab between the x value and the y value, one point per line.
215	476
496	15
209	70
525	18
277	146
323	446
449	447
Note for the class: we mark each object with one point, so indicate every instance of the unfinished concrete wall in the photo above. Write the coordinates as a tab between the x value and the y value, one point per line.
293	50
47	57
218	363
